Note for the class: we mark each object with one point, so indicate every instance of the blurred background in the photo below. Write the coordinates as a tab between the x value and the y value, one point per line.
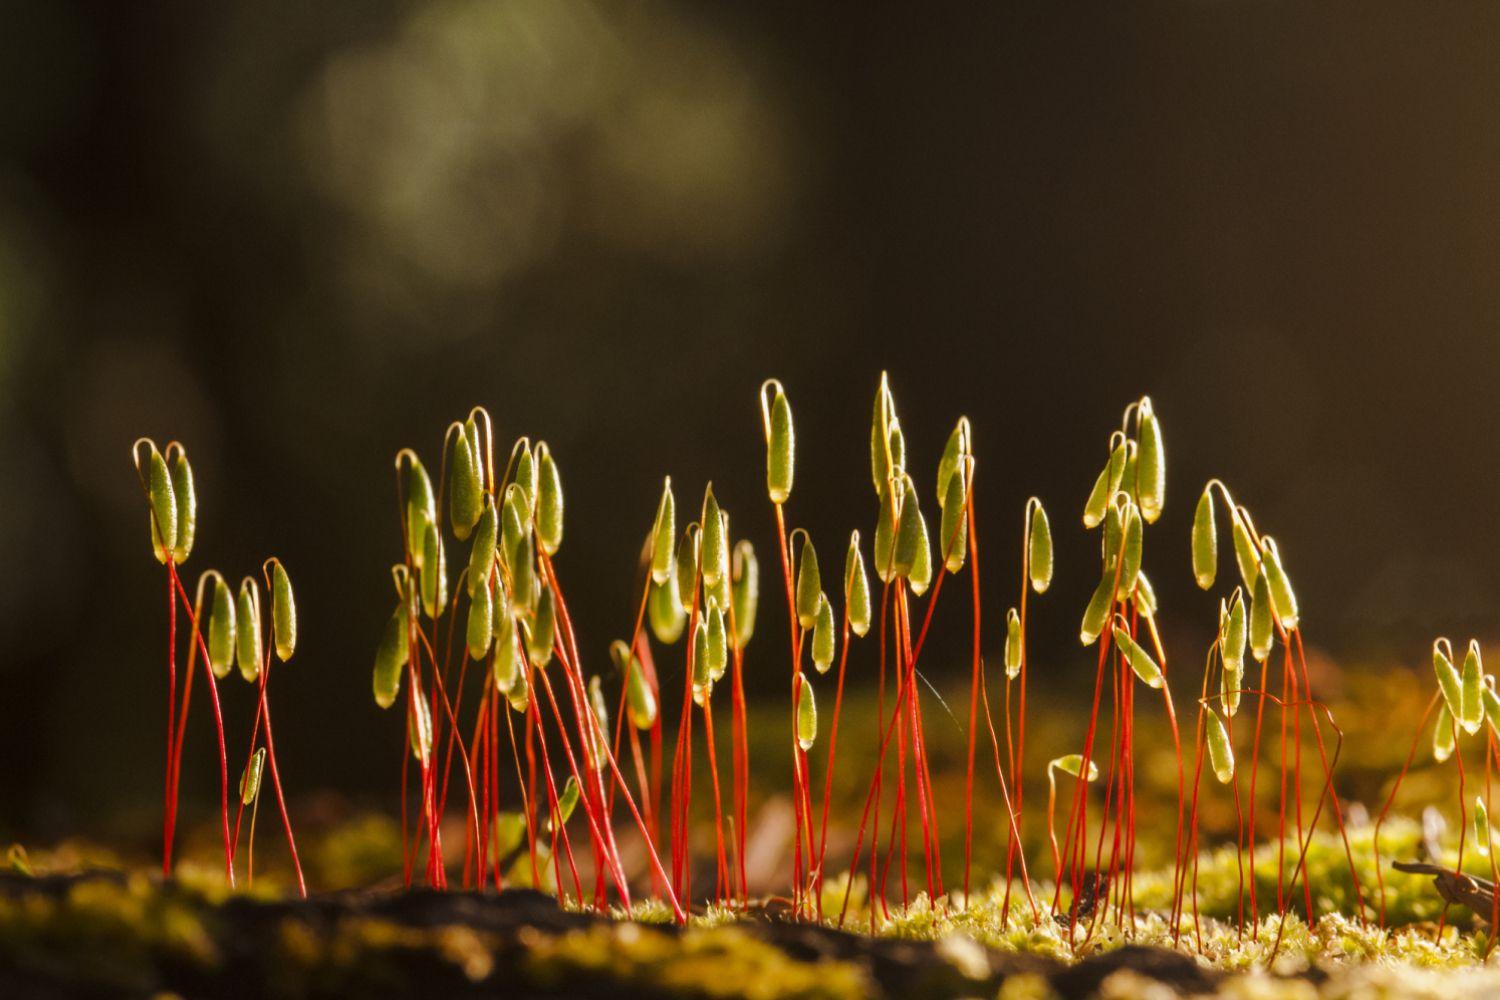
301	236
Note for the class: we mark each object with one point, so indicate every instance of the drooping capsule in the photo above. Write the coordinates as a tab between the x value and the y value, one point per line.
856	588
823	637
1205	541
506	664
687	566
283	612
1145	596
421	507
1039	549
250	777
549	503
1220	753
524	586
665	612
519	695
1151	464
1443	736
568	800
434	574
718	643
714	543
1246	555
1232	652
955	455
390	658
1473	690
524	475
744	589
912	547
1261	632
897	448
953	526
1105	486
482	550
886	523
541	633
1097	612
1141	662
221	630
780	449
248	649
185	495
1282	597
480	629
640	701
703	678
1073	764
465	489
163	506
514	524
880	436
1130	561
807	714
1448	680
1112	538
1013	644
809	585
664	534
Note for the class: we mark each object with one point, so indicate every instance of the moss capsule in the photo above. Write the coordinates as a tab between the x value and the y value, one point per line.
434	573
248	649
663	534
1141	662
1151	464
283	612
465	489
1013	644
185	496
780	449
823	641
807	714
1205	541
1220	753
163	506
1473	690
480	628
744	591
714	542
549	502
1039	549
486	538
856	588
221	629
809	585
391	657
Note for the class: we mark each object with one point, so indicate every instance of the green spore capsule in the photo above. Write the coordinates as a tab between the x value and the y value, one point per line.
807	714
664	611
885	530
568	800
524	588
687	566
434	574
1220	753
601	717
856	588
480	629
1481	827
482	551
542	633
1073	764
221	630
1140	661
1473	690
919	577
880	436
898	448
953	526
505	664
1097	612
1442	735
250	777
703	677
663	535
185	496
549	502
519	695
1145	596
163	506
744	591
248	648
1151	465
954	458
283	612
1205	541
1013	644
714	543
1261	633
1130	564
1114	534
1448	681
524	476
465	488
1245	552
1105	487
780	449
421	508
823	637
640	701
391	657
1039	549
809	585
718	643
911	536
1491	707
1232	651
1284	601
513	524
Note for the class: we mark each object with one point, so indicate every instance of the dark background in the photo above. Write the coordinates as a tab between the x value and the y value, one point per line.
300	236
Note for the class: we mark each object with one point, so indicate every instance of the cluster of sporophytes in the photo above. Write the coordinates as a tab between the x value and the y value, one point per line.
504	727
236	633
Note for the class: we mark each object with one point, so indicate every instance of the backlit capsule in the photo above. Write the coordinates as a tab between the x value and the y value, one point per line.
1220	754
1130	564
465	490
221	629
823	638
1105	486
1141	662
809	585
482	551
665	612
600	723
880	435
1448	680
541	634
421	508
390	658
1481	827
807	714
718	643
1261	632
886	523
481	624
1205	541
1013	644
687	566
744	591
185	495
419	730
664	534
250	777
283	612
434	573
780	449
1151	464
714	544
1039	549
1097	612
856	588
955	455
549	502
1282	597
163	506
953	526
505	664
1246	555
1443	735
248	649
1473	690
524	475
